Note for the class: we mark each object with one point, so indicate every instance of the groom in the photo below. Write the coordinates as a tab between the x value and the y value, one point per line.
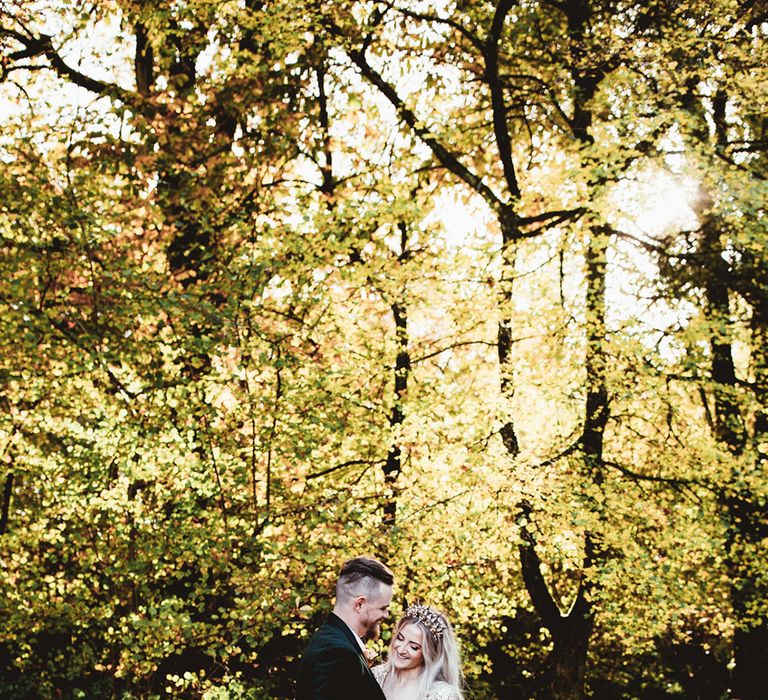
333	666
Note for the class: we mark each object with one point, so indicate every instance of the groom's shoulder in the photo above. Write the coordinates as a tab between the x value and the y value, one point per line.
328	635
329	628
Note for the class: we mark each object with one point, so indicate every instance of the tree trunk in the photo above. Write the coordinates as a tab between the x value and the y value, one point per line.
6	505
744	519
750	639
568	660
567	663
565	670
750	653
394	465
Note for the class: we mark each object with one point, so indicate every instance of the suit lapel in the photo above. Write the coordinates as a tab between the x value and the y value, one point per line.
343	630
339	624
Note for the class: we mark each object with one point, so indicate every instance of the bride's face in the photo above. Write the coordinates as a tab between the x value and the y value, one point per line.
407	648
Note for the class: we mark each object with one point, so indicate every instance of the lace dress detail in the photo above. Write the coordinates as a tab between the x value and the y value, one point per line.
442	691
439	691
379	672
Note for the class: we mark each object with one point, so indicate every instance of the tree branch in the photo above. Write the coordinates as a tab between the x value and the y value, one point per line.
447	159
535	583
427	17
43	46
452	346
550	219
499	111
670	481
343	465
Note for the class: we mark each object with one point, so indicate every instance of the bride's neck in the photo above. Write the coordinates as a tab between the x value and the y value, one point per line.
409	676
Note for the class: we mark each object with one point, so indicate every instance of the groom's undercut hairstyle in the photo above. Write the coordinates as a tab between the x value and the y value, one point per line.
362	576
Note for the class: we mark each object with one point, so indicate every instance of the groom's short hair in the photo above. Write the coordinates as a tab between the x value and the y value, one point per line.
362	576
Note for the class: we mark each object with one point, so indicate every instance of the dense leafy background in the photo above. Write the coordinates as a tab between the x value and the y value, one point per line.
283	283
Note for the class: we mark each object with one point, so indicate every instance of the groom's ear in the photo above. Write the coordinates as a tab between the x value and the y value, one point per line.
360	601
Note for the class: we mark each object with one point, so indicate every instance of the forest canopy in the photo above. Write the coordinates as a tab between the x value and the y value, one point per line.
478	288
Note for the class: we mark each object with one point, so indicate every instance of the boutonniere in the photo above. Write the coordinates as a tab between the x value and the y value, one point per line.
370	656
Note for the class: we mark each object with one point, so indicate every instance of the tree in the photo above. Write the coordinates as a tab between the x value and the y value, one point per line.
242	336
517	104
717	268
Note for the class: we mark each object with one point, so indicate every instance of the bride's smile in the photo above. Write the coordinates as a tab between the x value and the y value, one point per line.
423	661
407	648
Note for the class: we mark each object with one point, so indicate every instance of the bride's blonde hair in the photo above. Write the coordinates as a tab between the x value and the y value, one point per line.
440	650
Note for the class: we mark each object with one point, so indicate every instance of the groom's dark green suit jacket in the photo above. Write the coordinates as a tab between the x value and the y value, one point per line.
333	667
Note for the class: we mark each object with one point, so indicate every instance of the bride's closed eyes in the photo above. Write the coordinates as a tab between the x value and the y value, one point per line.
413	645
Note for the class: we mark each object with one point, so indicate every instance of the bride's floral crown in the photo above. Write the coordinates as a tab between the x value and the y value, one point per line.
429	617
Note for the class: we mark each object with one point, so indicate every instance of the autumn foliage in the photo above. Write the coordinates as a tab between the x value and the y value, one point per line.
475	287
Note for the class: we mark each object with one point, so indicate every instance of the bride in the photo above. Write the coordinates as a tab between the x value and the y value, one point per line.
423	661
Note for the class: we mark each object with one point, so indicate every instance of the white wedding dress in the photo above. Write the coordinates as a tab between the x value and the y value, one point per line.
438	691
